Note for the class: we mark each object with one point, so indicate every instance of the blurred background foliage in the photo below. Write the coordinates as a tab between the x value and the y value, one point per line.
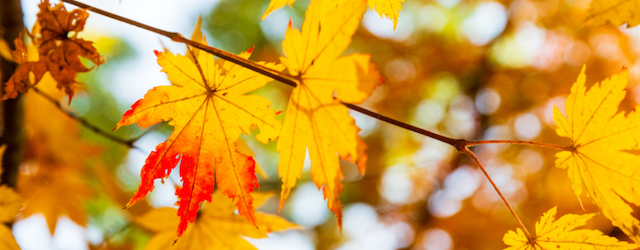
467	69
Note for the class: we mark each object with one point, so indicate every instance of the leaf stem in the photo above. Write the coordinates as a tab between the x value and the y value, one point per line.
530	143
95	129
513	212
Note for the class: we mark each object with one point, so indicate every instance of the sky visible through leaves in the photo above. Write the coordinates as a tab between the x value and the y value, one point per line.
478	70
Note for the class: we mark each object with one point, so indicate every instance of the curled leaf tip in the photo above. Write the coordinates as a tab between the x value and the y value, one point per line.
251	49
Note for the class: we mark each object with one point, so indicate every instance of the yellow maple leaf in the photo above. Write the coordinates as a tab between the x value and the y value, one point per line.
598	157
209	109
387	8
616	12
560	234
315	119
10	205
217	226
276	4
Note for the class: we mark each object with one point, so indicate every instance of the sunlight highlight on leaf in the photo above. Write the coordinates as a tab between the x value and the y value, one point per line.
596	159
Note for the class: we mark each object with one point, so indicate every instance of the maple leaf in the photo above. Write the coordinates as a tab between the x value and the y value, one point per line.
244	149
315	120
209	110
10	205
54	192
616	13
217	226
51	178
19	81
560	234
276	4
388	8
598	158
56	36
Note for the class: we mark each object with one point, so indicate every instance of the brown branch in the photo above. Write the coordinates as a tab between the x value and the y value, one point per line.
276	75
513	212
530	143
88	125
459	144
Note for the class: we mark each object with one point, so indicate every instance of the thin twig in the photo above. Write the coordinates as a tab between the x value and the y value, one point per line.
513	212
107	135
530	143
261	69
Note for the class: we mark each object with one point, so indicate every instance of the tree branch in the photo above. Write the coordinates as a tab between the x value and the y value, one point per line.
276	75
129	143
530	143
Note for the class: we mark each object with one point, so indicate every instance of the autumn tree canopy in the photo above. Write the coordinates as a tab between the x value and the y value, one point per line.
435	125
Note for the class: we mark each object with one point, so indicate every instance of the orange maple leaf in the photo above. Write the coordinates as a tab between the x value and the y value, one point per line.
208	107
316	120
56	36
53	176
19	81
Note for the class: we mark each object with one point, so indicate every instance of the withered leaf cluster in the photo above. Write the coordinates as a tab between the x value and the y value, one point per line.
55	34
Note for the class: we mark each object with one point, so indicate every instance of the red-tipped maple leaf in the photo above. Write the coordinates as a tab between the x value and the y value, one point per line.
209	110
